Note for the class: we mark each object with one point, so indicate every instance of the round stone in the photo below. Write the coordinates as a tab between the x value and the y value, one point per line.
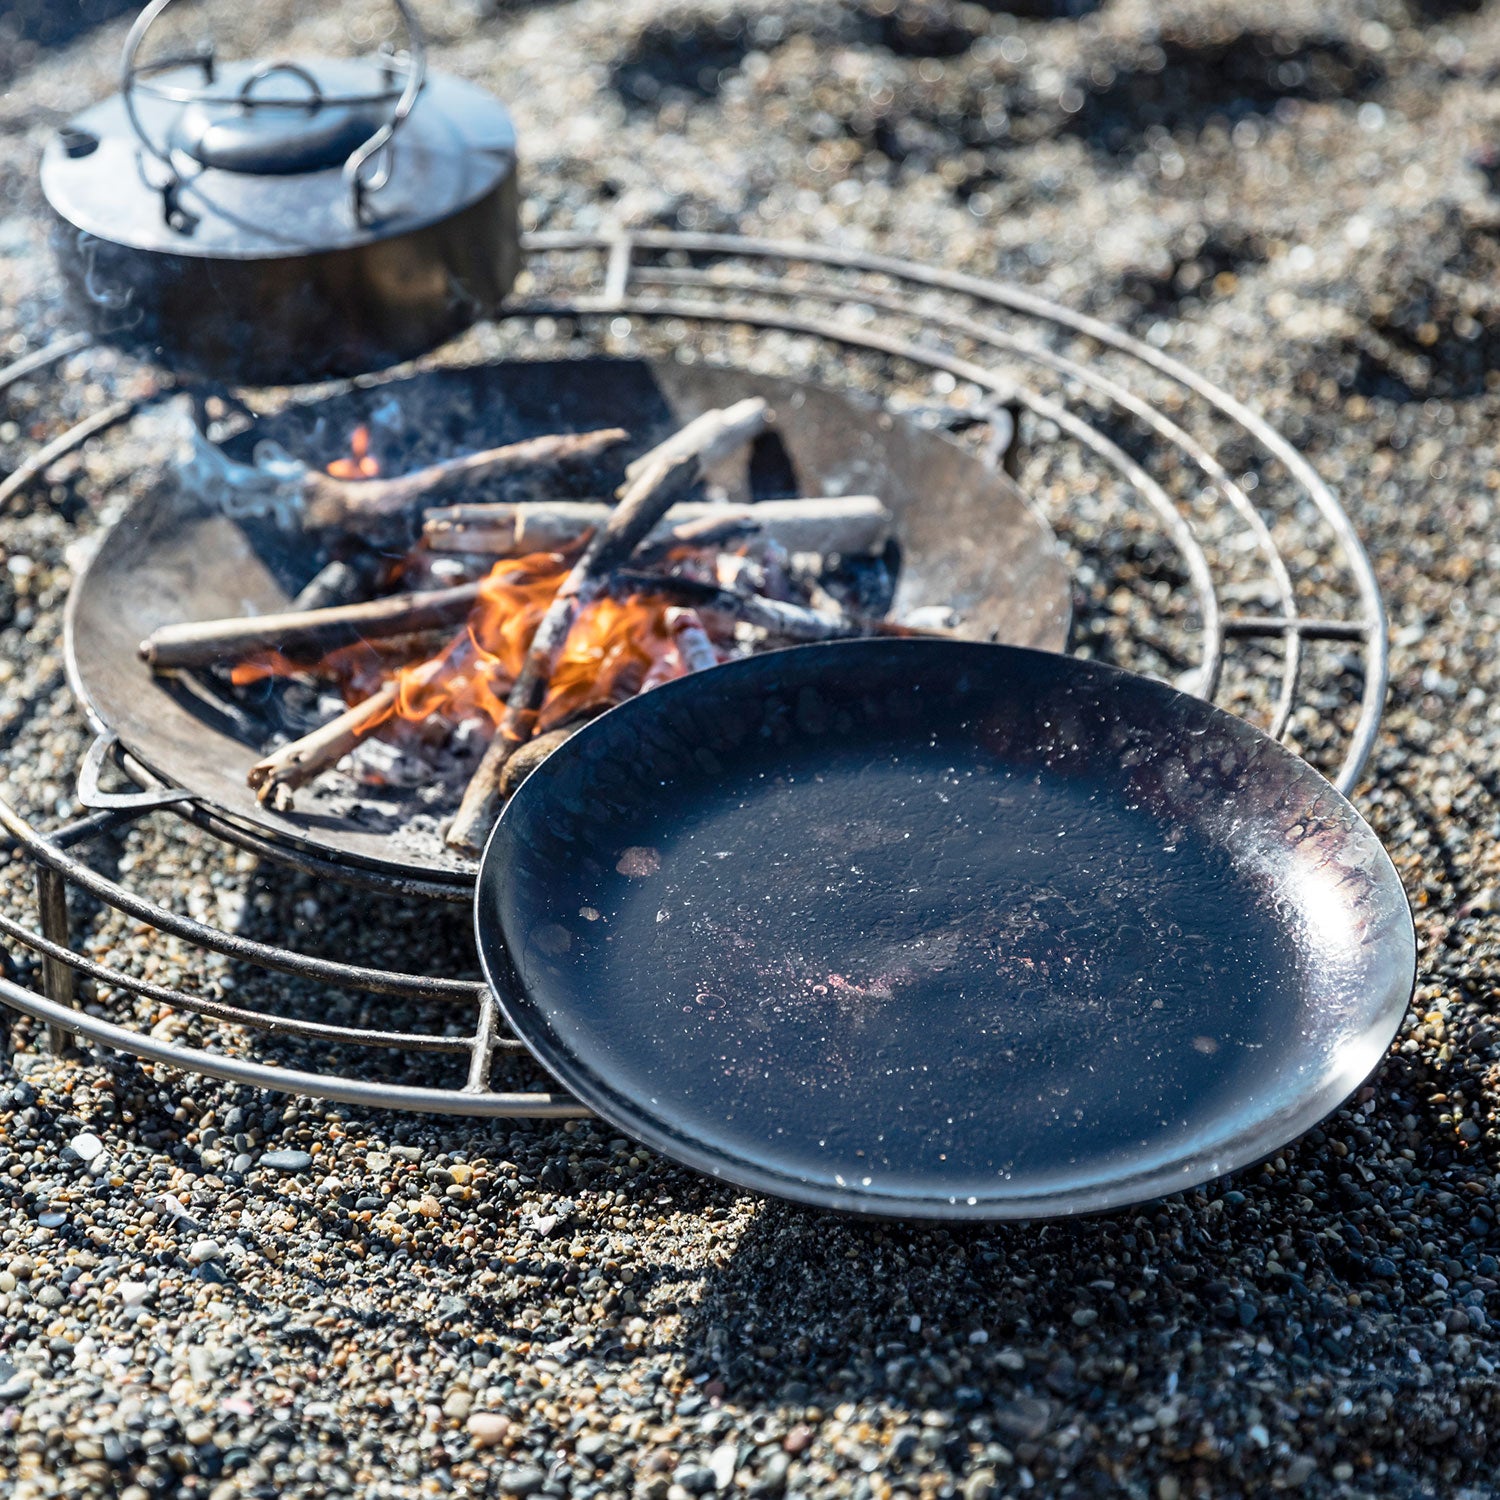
487	1428
86	1147
287	1161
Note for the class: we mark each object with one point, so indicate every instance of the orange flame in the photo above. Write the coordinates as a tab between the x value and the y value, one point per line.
614	647
359	670
613	644
361	463
610	650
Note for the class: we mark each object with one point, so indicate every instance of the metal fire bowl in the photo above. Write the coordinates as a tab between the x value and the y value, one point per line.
969	539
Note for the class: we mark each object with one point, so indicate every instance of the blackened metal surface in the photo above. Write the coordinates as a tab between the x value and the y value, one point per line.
968	538
944	929
271	275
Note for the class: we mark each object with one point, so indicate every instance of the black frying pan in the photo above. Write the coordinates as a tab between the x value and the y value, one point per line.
944	929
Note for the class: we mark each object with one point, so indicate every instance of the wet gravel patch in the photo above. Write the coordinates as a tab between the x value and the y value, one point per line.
207	1291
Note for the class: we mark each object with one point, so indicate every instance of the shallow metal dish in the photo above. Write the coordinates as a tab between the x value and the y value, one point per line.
944	930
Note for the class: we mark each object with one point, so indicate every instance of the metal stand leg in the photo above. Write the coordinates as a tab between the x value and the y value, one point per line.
9	970
484	1044
57	977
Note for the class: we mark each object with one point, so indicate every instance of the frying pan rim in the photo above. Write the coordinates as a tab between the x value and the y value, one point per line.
1181	1173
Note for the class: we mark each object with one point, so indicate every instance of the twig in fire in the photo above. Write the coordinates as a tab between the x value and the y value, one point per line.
644	499
791	622
364	505
850	525
694	652
306	635
342	580
279	774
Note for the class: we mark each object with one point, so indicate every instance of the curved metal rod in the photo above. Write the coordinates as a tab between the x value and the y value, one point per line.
314	101
1125	399
283	961
412	888
289	1080
39	359
93	797
361	156
133	40
174	95
218	1010
75	437
1157	498
1372	699
221	826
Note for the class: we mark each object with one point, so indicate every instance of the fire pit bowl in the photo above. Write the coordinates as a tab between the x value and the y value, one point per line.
939	929
968	540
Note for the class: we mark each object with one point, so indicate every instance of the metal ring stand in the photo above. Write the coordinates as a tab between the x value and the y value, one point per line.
985	335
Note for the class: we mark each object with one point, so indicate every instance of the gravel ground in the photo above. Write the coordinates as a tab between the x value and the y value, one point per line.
205	1291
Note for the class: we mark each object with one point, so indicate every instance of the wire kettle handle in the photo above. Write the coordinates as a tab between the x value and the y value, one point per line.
358	176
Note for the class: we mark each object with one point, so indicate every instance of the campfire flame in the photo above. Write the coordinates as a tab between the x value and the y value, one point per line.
361	463
612	646
616	647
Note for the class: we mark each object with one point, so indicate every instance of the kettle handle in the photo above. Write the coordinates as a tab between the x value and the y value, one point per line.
360	181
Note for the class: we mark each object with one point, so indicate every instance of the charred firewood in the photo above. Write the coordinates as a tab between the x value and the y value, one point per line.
275	778
852	525
644	500
791	622
532	754
364	505
306	635
709	438
344	580
694	648
701	533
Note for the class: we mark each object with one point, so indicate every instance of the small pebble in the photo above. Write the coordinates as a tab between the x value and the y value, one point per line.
86	1147
520	1481
487	1428
722	1464
287	1161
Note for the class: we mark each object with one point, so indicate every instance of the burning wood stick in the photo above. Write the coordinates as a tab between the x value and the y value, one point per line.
644	500
531	755
276	777
362	504
710	438
851	525
349	580
792	622
306	635
694	649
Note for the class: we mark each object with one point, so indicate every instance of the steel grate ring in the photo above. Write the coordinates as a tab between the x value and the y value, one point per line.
1166	441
